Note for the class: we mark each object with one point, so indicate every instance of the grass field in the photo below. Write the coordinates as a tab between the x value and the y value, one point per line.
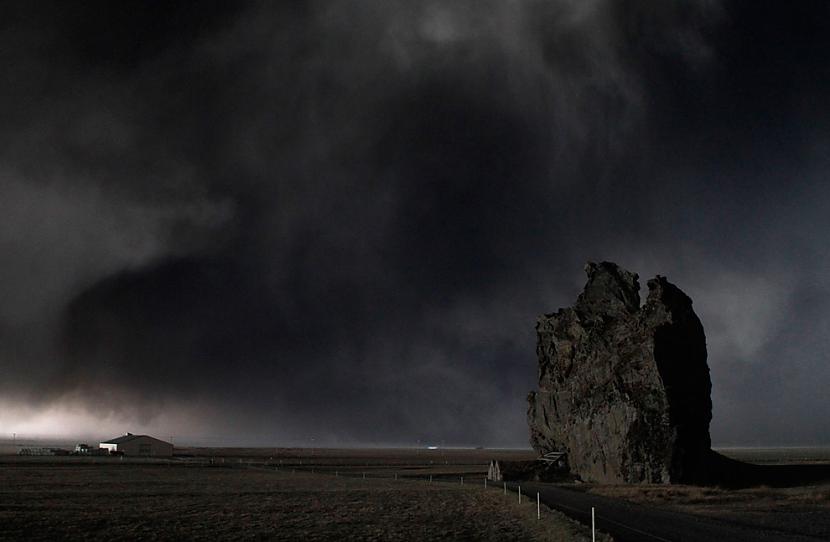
42	499
803	455
320	494
803	509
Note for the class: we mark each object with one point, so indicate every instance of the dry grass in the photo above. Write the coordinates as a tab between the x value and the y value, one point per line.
48	501
779	456
685	496
804	510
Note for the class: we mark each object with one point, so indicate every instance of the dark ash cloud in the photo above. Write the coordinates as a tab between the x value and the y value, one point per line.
339	221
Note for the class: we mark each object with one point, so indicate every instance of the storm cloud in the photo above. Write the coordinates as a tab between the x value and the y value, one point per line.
278	222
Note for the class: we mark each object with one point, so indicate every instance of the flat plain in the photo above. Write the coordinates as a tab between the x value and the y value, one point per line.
352	494
267	495
801	509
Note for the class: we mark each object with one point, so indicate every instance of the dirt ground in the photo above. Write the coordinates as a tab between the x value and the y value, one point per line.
53	499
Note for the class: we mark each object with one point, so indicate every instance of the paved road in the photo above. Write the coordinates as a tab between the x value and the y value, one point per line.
630	522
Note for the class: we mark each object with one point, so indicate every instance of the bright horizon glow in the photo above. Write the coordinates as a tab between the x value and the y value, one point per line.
186	426
68	420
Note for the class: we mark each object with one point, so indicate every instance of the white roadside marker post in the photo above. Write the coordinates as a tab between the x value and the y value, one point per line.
538	511
505	488
462	480
430	478
520	494
593	526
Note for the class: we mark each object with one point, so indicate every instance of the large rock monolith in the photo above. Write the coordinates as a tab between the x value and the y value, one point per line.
624	389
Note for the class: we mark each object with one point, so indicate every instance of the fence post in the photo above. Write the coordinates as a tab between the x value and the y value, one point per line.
505	488
538	510
520	494
462	480
593	526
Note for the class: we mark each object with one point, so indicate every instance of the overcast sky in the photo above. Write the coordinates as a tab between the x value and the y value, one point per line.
280	223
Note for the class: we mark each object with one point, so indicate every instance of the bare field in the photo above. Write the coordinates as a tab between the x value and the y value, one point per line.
804	455
804	510
321	494
372	457
409	463
48	500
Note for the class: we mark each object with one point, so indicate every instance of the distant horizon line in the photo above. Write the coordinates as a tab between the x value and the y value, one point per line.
220	442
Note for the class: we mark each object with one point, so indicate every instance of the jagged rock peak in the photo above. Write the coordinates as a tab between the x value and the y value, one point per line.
610	286
624	390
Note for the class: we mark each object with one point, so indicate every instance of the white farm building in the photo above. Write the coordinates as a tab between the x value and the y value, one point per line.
141	445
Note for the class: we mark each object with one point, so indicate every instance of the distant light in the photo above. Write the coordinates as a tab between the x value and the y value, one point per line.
432	447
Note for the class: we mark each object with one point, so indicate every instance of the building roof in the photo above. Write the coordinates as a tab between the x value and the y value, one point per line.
128	437
122	439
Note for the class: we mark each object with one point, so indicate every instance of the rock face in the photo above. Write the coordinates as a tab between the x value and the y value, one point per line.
624	390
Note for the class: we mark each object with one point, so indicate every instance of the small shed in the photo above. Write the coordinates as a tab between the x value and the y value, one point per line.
494	472
138	445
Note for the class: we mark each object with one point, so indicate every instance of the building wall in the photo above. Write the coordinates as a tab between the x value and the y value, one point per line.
142	446
146	446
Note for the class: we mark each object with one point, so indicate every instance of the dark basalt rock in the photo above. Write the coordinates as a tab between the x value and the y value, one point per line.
624	390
